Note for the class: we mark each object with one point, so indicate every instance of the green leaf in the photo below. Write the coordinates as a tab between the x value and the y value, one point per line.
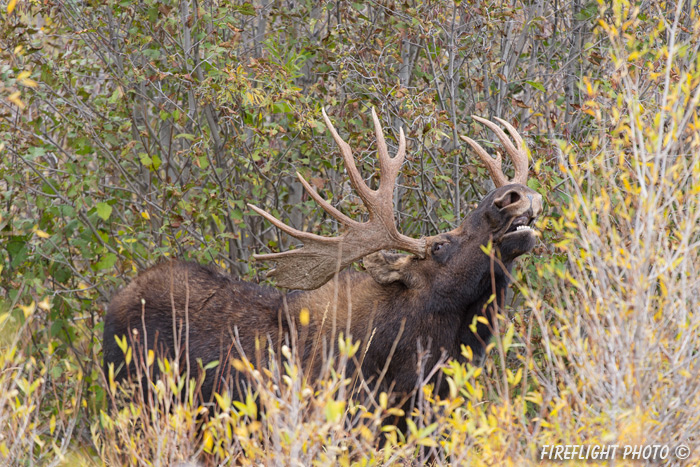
245	9
17	248
156	162
203	162
145	160
281	107
116	96
210	365
536	85
107	261
104	210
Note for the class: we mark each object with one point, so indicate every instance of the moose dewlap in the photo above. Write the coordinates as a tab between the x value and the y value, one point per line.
426	299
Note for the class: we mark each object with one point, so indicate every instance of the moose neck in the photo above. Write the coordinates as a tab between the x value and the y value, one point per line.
355	304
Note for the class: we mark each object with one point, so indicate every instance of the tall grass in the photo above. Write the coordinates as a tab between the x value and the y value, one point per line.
38	418
621	326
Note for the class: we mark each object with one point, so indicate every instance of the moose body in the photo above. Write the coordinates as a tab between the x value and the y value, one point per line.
402	307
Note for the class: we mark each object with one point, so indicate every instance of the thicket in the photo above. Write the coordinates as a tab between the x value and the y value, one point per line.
134	131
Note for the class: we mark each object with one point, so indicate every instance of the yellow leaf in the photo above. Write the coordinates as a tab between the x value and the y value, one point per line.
121	342
42	234
334	410
556	409
412	428
14	98
28	310
224	401
208	442
254	426
535	397
366	433
508	337
238	365
145	215
251	406
468	353
518	377
304	317
430	442
11	6
45	304
30	83
453	388
383	400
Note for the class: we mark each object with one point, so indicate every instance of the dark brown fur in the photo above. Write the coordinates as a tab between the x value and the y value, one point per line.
432	300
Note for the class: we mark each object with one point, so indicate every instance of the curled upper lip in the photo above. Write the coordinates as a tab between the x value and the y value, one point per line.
518	221
521	220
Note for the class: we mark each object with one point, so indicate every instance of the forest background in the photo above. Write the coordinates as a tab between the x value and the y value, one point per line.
132	131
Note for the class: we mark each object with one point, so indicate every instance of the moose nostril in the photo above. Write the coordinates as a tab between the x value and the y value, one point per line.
507	199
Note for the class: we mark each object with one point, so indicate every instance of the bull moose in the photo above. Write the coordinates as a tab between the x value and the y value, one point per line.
427	297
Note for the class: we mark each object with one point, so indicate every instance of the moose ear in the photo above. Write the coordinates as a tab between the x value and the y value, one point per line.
387	268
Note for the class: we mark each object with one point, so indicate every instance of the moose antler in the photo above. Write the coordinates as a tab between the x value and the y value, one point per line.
320	258
517	153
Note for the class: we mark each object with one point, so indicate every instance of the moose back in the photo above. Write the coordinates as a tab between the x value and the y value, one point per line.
427	298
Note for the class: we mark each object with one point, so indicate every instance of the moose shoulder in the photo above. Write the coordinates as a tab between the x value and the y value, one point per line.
426	299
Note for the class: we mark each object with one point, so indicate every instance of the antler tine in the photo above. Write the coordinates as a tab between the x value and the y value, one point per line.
513	132
510	149
493	165
517	154
282	226
363	190
325	204
389	167
312	265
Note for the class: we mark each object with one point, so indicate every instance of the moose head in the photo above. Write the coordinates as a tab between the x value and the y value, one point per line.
504	217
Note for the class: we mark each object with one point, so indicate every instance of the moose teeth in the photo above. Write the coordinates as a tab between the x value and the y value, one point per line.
522	227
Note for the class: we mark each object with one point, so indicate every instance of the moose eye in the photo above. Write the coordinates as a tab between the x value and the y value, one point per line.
438	246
